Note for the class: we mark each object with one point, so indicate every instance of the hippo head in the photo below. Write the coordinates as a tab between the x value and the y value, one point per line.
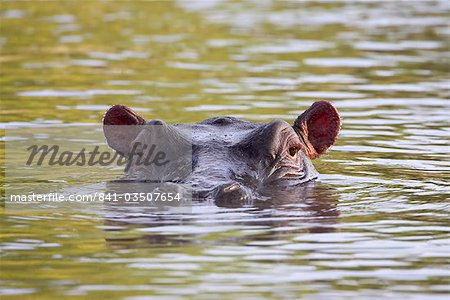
226	157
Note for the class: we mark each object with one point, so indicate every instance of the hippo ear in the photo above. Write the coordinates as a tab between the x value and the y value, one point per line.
120	138
319	127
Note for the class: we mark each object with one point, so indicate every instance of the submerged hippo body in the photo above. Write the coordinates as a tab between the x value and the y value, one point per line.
225	158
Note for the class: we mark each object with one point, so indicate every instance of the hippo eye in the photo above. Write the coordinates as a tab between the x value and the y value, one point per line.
293	151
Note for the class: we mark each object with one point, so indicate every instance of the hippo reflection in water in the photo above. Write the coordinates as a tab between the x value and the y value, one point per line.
226	158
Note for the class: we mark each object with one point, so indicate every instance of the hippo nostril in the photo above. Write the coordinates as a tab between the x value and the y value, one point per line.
229	195
231	188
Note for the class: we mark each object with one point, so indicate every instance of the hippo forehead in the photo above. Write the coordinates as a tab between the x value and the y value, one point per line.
220	131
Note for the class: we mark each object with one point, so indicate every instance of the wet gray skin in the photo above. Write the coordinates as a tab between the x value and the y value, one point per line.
224	158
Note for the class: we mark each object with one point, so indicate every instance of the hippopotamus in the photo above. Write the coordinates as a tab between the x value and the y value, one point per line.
225	158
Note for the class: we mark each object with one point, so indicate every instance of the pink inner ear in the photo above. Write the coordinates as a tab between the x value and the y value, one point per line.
122	115
320	124
120	137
